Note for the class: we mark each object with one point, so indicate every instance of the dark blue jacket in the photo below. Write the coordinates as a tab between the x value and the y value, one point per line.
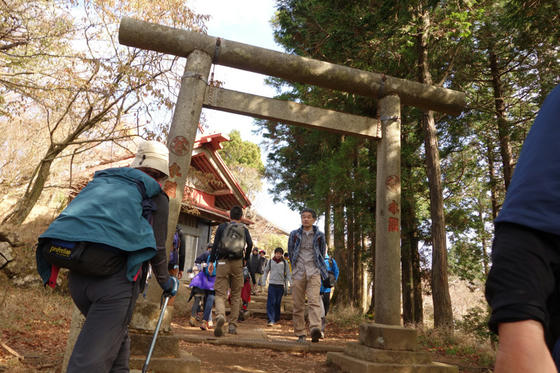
533	197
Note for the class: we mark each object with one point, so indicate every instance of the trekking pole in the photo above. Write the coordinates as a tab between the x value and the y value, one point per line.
147	362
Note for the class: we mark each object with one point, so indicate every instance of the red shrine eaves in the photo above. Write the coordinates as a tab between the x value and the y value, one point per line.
221	189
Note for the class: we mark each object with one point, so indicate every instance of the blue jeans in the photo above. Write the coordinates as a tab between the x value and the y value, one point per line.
273	302
206	302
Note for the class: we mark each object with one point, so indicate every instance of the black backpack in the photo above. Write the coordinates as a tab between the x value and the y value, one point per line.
232	242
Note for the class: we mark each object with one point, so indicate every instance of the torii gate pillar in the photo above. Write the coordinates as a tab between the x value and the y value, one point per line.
182	134
388	214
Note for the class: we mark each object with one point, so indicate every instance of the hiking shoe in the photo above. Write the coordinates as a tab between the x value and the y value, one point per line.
232	329
210	324
219	331
315	335
204	325
192	321
322	335
301	339
270	324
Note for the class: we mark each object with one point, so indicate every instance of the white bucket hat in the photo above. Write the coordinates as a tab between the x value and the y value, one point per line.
152	154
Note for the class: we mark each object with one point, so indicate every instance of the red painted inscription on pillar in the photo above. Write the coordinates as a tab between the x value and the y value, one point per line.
170	188
174	170
392	182
179	145
393	207
393	225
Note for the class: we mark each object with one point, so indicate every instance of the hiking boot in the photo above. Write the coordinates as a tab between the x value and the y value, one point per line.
232	329
315	335
192	321
219	331
301	339
204	325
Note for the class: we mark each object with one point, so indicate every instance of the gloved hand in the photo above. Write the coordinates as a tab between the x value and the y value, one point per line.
171	287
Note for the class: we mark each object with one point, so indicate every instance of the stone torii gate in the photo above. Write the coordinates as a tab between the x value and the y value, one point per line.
195	93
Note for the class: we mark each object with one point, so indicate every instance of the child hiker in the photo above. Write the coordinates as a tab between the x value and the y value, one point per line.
279	272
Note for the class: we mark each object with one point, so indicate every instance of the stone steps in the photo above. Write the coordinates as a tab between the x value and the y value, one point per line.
385	349
276	345
350	364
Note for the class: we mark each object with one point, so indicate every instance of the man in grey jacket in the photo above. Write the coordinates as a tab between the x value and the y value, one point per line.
307	248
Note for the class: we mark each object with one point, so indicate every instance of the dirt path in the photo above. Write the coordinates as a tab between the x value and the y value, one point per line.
227	358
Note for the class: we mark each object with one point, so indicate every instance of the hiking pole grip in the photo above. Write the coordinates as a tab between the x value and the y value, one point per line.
151	350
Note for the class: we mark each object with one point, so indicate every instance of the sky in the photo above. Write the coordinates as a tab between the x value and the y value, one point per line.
248	22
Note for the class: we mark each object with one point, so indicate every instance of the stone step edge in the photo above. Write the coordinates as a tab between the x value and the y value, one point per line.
350	364
185	363
290	346
375	355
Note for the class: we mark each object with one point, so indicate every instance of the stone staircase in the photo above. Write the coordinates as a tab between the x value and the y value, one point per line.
380	349
257	306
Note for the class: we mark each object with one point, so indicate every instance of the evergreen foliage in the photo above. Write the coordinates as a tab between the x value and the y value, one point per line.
503	54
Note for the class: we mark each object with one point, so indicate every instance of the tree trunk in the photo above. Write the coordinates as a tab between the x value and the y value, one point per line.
350	250
407	226
482	238
31	196
443	314
417	282
327	227
492	178
371	308
411	281
343	285
503	126
358	267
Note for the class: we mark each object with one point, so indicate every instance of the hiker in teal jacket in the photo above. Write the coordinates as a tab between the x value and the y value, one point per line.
106	218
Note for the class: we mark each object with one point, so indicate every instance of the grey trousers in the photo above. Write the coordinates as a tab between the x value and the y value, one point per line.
107	304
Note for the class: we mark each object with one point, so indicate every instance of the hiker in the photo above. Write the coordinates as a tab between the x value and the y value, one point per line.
279	278
260	271
176	262
202	289
231	249
203	258
104	227
253	267
523	286
307	248
245	295
325	292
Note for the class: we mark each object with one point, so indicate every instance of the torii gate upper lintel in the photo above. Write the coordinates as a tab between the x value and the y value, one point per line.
203	50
